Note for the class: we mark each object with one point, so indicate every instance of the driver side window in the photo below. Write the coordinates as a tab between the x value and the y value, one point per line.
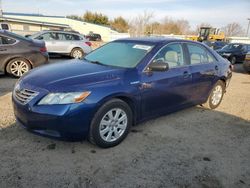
171	54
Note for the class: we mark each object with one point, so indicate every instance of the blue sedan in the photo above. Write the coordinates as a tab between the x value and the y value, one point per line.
118	85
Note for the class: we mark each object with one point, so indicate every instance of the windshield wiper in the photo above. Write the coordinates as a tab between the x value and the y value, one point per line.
95	62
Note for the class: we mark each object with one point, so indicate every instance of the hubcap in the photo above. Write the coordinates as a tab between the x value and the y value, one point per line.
77	54
18	68
217	95
113	125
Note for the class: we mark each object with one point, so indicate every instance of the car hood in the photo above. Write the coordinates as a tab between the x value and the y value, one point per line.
69	75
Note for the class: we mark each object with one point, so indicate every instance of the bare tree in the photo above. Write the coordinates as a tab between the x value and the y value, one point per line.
184	26
233	29
171	26
139	24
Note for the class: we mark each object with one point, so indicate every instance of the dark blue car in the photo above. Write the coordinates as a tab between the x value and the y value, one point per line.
119	85
234	52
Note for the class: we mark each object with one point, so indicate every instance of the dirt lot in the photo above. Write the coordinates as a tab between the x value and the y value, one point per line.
191	148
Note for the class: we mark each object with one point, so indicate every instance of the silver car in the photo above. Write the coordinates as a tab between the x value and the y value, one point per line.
65	43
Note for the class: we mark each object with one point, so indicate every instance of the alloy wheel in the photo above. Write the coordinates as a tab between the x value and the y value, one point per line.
18	68
113	125
217	95
77	54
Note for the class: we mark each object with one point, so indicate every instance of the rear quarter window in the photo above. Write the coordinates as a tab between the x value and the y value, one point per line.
6	40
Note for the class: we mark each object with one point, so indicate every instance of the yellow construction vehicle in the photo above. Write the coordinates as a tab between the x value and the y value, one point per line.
208	34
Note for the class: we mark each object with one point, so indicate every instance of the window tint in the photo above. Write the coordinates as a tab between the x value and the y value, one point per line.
172	54
60	36
47	36
72	37
199	55
5	40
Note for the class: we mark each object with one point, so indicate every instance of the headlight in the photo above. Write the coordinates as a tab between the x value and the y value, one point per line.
64	98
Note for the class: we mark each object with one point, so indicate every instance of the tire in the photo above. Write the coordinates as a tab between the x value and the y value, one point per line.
215	96
233	60
77	53
108	131
18	67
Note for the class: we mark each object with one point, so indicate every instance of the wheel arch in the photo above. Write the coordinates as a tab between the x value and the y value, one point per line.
124	97
75	47
223	79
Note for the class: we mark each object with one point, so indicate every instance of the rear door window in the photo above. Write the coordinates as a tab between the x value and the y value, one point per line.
47	36
61	36
199	55
72	37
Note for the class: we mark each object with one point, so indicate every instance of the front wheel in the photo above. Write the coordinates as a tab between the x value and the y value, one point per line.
215	96
111	124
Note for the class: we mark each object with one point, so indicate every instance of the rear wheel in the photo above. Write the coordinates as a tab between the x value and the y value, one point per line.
215	96
77	53
111	124
18	66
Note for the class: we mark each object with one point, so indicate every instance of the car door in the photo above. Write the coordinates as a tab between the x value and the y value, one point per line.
61	44
204	68
169	90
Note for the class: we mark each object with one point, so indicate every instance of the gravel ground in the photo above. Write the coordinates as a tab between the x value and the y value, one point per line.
191	148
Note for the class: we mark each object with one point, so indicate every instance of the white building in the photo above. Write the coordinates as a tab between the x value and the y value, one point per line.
51	22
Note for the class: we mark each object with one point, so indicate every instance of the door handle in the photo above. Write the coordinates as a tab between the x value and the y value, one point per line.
186	74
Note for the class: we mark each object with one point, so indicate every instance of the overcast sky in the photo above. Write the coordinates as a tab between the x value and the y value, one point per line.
216	12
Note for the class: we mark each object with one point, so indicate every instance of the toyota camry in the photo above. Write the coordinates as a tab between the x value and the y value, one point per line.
118	85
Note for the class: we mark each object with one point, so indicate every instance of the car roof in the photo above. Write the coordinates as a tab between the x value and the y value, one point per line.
59	31
155	40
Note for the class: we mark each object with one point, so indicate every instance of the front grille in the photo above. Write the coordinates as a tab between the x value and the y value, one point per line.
24	95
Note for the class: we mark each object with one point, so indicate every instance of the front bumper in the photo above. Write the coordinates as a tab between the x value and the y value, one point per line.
65	122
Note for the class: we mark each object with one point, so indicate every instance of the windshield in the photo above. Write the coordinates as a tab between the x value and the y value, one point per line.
233	47
120	54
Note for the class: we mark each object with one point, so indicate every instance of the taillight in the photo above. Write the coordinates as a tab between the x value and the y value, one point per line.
88	43
43	49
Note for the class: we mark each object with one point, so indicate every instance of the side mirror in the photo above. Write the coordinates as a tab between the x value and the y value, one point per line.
158	65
